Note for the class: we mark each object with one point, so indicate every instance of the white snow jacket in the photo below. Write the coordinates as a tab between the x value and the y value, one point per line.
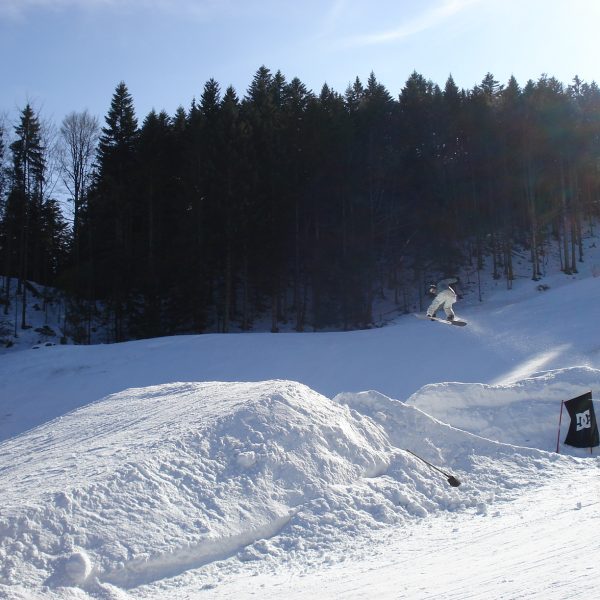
445	297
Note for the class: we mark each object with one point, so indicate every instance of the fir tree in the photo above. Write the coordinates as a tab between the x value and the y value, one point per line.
262	110
26	196
2	169
116	206
119	135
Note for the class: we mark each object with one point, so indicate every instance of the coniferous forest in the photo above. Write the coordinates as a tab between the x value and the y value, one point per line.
303	207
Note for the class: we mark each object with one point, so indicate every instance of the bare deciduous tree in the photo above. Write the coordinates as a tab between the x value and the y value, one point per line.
79	137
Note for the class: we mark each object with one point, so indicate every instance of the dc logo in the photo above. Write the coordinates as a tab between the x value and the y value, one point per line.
583	420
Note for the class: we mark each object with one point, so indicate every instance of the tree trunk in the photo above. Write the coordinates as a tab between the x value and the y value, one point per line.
533	223
228	287
274	310
508	264
245	309
297	284
564	219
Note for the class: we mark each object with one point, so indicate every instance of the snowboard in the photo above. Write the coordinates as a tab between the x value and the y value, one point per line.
457	322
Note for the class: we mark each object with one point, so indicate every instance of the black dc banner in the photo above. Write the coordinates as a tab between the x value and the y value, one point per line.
583	431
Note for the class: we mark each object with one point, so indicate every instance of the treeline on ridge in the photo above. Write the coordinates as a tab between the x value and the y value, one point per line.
303	207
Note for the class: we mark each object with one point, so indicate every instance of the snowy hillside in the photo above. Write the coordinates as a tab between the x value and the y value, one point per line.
280	466
150	483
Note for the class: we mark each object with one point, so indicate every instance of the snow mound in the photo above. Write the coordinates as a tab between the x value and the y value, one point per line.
525	413
152	482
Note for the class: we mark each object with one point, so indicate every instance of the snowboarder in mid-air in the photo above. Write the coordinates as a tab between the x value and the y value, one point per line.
445	297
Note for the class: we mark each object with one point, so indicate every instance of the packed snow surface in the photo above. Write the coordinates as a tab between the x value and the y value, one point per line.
259	465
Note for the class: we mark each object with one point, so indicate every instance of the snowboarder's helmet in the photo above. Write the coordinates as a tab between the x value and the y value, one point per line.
433	289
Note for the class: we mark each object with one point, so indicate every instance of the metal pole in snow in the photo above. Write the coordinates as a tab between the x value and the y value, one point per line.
559	422
453	481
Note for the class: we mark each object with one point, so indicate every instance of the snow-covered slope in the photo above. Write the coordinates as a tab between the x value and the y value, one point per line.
236	465
525	413
502	344
152	482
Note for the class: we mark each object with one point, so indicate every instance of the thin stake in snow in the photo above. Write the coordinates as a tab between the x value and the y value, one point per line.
453	481
559	423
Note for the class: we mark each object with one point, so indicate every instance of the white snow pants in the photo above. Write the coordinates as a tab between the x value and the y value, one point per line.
445	299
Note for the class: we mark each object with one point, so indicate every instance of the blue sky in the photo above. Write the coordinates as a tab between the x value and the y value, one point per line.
65	55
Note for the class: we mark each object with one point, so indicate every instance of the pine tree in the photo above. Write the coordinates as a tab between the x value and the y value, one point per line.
115	206
330	138
262	110
511	198
2	168
374	163
55	241
198	183
588	133
452	156
417	143
354	95
26	196
233	219
119	135
485	167
5	249
154	230
297	100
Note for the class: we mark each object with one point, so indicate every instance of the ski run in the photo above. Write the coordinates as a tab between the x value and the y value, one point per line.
281	465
